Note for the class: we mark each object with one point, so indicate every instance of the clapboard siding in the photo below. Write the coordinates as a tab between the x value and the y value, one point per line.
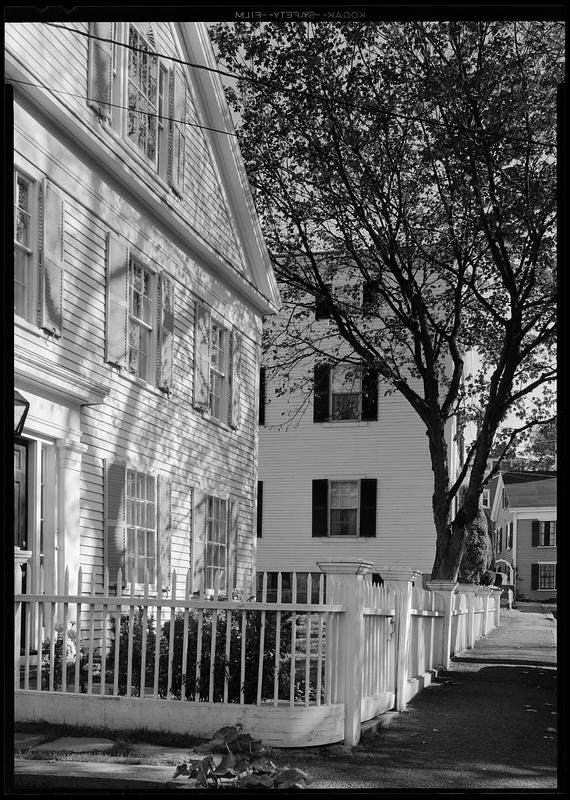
42	50
135	422
527	555
393	450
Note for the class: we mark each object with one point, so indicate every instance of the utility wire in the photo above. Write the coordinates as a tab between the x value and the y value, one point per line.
305	93
125	108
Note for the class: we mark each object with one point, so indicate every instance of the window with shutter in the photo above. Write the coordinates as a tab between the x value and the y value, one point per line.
235	379
546	576
217	368
140	317
115	510
344	508
344	392
38	253
141	95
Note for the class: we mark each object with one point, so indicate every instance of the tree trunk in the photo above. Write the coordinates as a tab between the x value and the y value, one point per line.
449	550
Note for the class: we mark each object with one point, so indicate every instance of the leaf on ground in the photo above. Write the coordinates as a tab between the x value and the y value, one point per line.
209	747
263	765
290	776
181	769
228	762
226	734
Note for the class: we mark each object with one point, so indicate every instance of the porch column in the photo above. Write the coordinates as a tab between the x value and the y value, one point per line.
446	589
69	453
401	579
21	558
345	580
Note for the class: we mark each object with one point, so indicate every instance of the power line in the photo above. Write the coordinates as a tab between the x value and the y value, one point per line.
305	93
125	108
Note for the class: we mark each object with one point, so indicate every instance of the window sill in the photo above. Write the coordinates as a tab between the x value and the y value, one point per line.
344	422
139	382
20	322
546	546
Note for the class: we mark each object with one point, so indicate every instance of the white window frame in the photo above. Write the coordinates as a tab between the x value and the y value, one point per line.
330	533
219	370
357	382
31	286
486	498
542	533
217	536
137	519
150	324
546	564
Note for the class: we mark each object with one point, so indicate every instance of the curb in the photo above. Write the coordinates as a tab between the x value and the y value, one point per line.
79	775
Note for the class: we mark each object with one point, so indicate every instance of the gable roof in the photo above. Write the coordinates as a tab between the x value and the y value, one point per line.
530	489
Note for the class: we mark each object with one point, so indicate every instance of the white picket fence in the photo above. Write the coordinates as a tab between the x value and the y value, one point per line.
290	672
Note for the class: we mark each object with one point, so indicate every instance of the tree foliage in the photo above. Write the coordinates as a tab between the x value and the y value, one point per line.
420	158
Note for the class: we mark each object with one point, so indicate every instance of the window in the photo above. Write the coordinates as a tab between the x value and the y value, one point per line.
344	507
505	499
543	533
137	524
370	295
345	392
140	317
509	536
24	225
500	540
38	253
141	320
217	368
219	357
544	576
141	526
486	498
139	95
216	553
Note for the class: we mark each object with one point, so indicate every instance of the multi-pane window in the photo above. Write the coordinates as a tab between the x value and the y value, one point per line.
216	542
141	526
547	576
142	95
23	252
141	316
345	392
343	508
486	498
219	358
547	534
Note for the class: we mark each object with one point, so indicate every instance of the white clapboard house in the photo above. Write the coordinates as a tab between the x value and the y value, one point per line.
344	468
140	283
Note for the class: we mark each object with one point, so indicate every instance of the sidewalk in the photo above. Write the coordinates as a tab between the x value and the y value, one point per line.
488	723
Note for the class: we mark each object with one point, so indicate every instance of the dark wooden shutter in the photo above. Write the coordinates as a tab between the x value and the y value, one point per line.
115	534
262	379
117	301
233	534
259	508
321	381
534	579
368	488
177	138
535	532
322	310
100	65
165	351
370	394
370	290
320	507
164	529
202	358
235	379
51	274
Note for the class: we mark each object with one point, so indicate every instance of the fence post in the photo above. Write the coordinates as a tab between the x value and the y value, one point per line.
401	580
349	574
484	592
468	589
21	558
497	592
446	589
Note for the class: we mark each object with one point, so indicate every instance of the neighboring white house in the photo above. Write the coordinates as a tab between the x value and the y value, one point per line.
344	469
140	283
524	515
